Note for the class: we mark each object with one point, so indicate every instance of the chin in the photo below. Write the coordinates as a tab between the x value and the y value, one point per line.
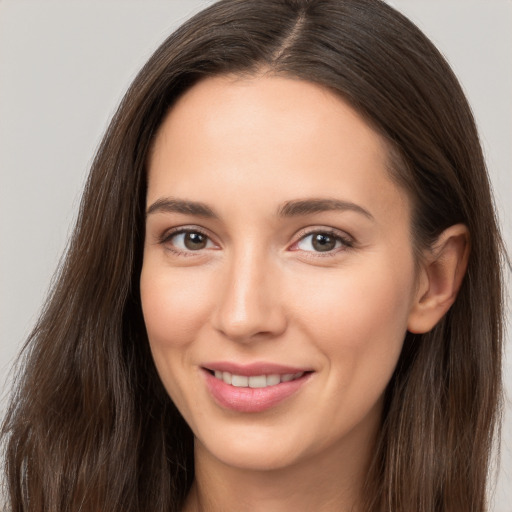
251	452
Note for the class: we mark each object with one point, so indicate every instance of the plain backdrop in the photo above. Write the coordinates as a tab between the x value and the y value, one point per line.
64	66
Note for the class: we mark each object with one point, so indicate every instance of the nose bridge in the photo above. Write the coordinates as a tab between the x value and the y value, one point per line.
249	302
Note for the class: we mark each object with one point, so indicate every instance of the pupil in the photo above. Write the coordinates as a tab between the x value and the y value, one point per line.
323	242
195	241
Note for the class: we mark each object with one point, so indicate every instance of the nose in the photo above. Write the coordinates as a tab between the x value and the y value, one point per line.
250	307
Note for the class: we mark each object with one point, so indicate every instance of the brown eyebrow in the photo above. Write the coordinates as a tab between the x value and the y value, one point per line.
309	206
293	208
172	205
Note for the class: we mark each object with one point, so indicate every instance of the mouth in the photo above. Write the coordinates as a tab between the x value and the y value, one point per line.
254	388
255	381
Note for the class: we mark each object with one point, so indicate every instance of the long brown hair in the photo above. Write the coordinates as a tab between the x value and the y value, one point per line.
90	427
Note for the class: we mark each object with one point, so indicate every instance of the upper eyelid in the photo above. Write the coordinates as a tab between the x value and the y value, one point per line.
304	232
168	233
345	244
297	237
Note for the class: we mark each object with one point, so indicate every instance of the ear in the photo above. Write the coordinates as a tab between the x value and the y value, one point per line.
442	270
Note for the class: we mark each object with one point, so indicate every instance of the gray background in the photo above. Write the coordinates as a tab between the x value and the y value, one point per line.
64	66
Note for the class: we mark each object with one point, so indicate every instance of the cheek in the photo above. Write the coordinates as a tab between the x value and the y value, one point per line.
174	304
175	308
358	322
358	319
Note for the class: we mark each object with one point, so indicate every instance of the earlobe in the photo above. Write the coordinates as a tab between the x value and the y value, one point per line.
442	271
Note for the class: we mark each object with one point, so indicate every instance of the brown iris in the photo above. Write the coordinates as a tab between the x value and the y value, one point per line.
195	241
323	242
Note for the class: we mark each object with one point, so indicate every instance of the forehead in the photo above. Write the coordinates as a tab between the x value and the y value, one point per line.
268	139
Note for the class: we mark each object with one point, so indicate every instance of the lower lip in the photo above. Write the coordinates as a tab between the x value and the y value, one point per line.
251	399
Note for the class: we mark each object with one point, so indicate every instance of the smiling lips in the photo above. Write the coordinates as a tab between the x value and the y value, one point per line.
253	388
256	381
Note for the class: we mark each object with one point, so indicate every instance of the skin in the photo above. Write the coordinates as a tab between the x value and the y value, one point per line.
259	290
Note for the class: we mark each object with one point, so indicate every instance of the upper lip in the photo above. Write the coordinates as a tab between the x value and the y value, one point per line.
252	369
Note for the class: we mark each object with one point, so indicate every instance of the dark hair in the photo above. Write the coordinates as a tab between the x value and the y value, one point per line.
90	426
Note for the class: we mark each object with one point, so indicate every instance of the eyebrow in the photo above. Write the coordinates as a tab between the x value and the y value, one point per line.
293	208
309	206
171	205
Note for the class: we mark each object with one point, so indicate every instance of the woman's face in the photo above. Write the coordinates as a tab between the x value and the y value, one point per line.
278	274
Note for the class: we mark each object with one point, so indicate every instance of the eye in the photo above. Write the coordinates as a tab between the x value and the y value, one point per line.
188	240
322	241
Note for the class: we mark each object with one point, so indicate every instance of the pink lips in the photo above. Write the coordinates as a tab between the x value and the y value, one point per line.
248	399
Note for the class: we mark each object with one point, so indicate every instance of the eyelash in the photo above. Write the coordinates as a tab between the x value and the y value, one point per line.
345	241
169	235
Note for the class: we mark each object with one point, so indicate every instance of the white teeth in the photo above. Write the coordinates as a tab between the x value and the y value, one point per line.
272	380
239	381
256	381
259	381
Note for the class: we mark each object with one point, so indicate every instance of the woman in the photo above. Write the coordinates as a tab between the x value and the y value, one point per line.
272	295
